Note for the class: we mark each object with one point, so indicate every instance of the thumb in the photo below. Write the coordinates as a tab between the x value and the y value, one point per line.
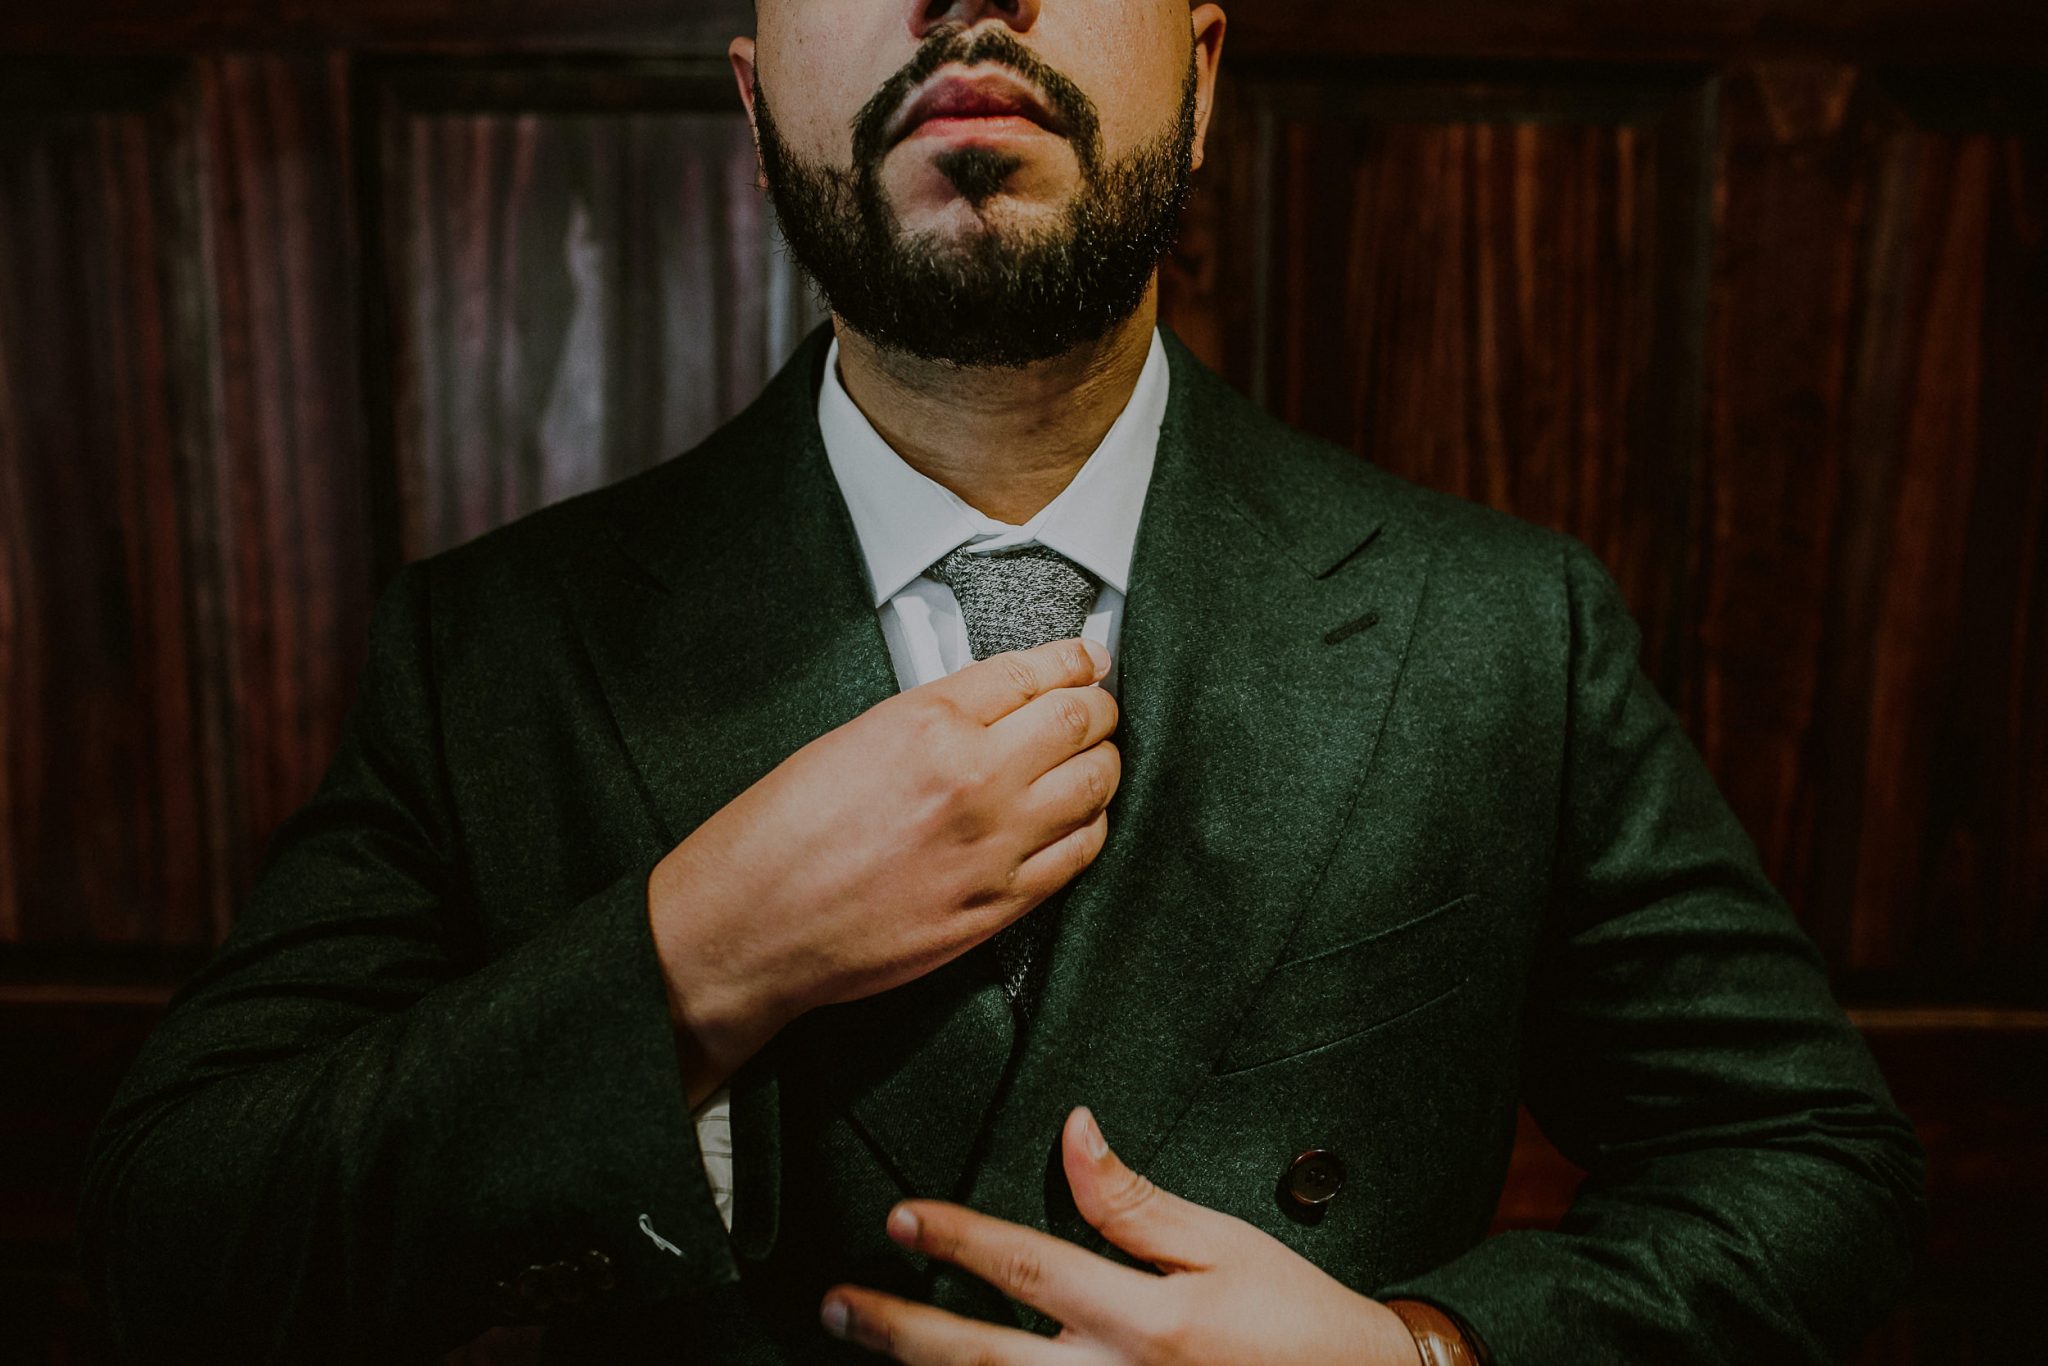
1126	1208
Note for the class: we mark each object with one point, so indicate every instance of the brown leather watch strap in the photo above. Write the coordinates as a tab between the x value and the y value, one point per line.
1436	1334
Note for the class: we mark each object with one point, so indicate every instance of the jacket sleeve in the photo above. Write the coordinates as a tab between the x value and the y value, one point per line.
351	1132
1752	1195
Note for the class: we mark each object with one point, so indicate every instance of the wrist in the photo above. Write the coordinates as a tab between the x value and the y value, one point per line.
719	1022
1383	1338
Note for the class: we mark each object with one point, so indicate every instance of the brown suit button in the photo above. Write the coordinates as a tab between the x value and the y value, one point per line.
1314	1178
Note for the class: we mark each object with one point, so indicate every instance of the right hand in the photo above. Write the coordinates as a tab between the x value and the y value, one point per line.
887	847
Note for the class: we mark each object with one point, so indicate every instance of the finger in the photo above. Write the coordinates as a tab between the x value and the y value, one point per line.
1071	795
992	688
1172	1233
922	1335
1071	1284
1060	862
1052	728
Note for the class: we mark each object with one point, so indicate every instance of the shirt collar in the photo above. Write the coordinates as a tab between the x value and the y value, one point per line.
907	521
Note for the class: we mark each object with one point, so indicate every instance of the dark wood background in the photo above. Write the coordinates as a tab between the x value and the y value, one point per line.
1751	295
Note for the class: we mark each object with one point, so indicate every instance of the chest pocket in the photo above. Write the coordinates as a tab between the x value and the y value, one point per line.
1337	994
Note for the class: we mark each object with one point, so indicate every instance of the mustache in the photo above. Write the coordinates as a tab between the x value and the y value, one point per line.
950	43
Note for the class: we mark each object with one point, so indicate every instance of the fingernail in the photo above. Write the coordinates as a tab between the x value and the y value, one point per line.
1100	654
903	1225
835	1317
1097	1146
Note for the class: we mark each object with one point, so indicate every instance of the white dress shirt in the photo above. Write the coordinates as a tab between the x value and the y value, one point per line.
907	522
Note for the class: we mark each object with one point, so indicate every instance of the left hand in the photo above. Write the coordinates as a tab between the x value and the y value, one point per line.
1231	1295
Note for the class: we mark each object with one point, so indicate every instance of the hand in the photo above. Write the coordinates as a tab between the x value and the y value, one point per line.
1231	1295
885	848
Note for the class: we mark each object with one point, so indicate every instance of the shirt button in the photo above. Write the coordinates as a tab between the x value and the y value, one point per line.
1314	1178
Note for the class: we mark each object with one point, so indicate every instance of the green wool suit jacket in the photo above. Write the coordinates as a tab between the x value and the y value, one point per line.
1405	839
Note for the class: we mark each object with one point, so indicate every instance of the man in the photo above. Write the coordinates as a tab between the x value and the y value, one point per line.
770	794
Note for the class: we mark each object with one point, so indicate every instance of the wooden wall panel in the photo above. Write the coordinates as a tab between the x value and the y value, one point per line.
287	474
102	771
574	295
186	504
1875	618
184	565
106	666
1909	30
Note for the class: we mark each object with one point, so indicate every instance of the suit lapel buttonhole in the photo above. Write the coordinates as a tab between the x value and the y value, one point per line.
1352	628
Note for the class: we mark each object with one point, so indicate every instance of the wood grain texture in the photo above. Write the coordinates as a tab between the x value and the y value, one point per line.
1875	643
573	296
1910	30
185	552
103	771
286	478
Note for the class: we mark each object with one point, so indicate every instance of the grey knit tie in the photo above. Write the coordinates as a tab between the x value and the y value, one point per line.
1017	600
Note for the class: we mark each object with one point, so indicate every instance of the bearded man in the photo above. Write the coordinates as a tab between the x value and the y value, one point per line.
1004	853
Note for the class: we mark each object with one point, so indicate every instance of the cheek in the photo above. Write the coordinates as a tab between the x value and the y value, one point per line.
1131	61
820	64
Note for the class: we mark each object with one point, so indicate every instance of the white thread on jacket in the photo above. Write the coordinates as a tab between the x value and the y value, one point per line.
659	1241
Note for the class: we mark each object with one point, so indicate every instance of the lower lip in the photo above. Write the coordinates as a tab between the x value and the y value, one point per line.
990	125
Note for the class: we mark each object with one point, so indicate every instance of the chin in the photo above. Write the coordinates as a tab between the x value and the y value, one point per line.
956	220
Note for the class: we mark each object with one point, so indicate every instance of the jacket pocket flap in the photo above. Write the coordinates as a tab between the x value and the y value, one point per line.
1332	995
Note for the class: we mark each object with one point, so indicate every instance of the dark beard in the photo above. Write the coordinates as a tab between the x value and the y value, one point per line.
992	298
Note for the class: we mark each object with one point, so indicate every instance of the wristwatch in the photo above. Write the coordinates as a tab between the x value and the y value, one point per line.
1442	1339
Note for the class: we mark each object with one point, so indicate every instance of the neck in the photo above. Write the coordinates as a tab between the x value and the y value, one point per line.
1005	440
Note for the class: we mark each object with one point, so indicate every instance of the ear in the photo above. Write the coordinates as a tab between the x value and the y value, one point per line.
740	52
1208	23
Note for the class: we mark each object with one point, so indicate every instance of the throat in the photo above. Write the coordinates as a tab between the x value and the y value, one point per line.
1005	440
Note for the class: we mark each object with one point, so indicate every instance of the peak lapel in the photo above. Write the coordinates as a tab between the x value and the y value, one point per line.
733	627
1270	609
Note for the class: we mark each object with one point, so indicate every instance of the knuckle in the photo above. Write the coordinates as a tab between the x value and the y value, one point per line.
984	895
1081	852
964	774
1073	716
1022	1272
1018	673
934	713
1164	1330
956	765
1131	1193
935	731
1077	659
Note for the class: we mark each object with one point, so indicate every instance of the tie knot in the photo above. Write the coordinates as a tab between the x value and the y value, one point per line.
1017	599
